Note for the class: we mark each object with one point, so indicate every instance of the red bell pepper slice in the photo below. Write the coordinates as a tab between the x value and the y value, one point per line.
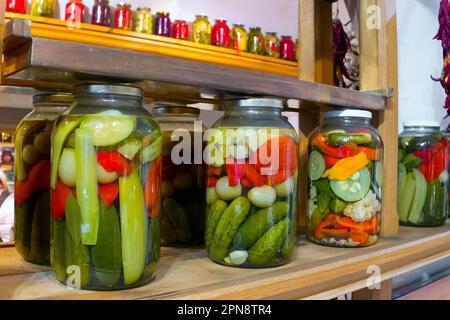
372	154
427	154
245	183
38	178
152	187
253	176
280	177
235	171
212	181
435	166
344	151
58	199
113	161
108	193
155	211
214	171
330	161
283	158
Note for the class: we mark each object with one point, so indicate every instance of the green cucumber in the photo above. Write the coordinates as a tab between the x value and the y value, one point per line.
154	239
168	234
86	183
152	151
23	222
401	155
257	224
411	161
108	130
57	249
435	204
229	223
180	219
107	253
40	230
25	132
402	173
316	165
268	245
379	173
315	219
59	136
353	189
215	211
404	203
133	221
130	148
416	212
338	139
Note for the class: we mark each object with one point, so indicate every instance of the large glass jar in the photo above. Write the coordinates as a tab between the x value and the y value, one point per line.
74	11
220	34
345	172
256	41
32	177
16	6
42	8
239	37
180	30
101	13
163	25
183	183
422	175
272	45
252	157
123	16
106	165
287	50
201	30
143	21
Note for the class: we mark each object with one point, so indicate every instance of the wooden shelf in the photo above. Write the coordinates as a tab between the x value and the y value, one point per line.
46	51
317	272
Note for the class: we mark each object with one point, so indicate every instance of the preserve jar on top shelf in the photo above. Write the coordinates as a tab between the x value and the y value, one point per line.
32	177
123	16
345	172
422	175
180	30
251	190
287	50
256	41
239	37
220	35
43	8
272	45
201	30
163	25
74	11
101	13
106	155
16	6
183	183
143	21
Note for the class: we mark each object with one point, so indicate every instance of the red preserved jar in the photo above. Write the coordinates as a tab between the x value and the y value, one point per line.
16	6
220	34
287	50
163	24
75	11
180	30
122	16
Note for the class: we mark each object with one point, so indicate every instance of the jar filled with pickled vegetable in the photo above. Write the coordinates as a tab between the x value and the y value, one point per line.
106	156
180	30
123	16
220	35
143	21
287	50
256	41
32	177
163	25
183	183
239	37
43	8
422	175
75	11
16	6
251	190
201	30
345	172
272	45
101	13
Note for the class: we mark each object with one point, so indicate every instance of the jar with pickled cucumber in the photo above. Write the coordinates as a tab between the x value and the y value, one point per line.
345	174
105	173
43	8
422	198
256	41
183	183
202	30
32	177
239	37
251	192
272	45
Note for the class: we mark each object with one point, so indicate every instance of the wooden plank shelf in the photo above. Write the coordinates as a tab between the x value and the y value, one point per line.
316	272
38	50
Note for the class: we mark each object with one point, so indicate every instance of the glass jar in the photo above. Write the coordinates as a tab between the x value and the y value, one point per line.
101	13
272	45
143	21
180	30
239	37
42	8
422	175
123	16
345	171
32	177
251	190
287	50
220	34
16	6
201	30
256	41
75	11
183	183
296	47
106	164
163	25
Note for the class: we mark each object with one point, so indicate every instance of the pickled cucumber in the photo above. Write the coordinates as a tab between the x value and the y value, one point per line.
229	223
179	219
213	216
57	251
258	223
108	130
23	222
40	230
154	239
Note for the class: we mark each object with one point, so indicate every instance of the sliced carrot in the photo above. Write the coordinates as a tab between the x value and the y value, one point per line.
360	237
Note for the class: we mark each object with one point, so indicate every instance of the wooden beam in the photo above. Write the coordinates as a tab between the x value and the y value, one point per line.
2	25
383	293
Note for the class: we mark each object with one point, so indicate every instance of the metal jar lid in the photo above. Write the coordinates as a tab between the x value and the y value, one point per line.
257	102
174	110
422	123
107	88
352	113
53	98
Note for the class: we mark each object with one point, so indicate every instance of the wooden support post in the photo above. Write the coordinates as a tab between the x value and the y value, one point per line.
2	25
378	70
384	293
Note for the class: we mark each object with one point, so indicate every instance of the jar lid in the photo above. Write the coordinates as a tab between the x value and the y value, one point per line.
271	33
258	102
174	110
420	123
107	88
352	113
53	98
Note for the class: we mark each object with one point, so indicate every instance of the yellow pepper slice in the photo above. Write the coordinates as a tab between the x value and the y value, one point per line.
347	167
